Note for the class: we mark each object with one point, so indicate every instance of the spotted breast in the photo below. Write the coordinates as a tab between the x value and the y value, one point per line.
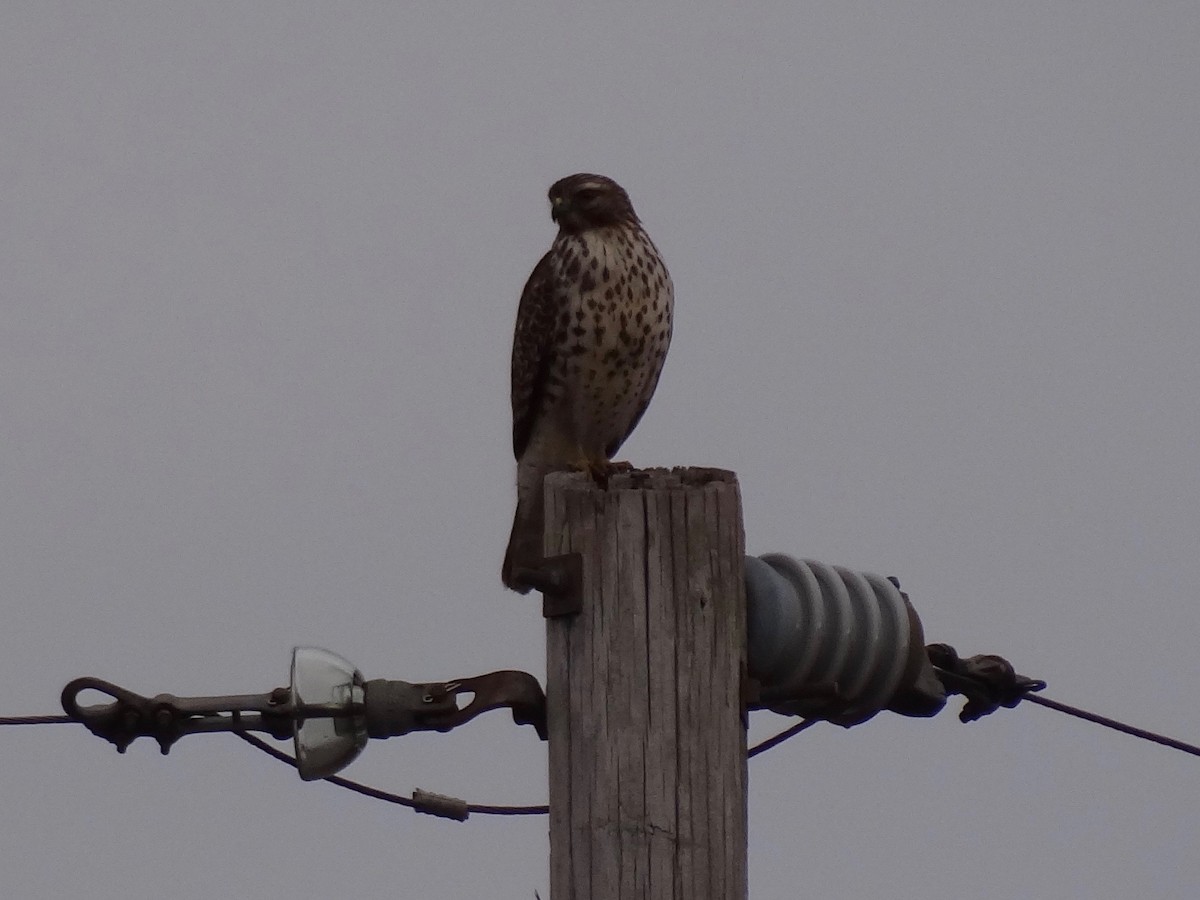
593	329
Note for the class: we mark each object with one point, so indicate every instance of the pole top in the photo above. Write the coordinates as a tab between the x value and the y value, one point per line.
656	478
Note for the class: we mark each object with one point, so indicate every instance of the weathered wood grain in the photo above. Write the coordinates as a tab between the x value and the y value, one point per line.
647	739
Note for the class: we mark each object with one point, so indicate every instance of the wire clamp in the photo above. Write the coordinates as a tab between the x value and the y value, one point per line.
987	681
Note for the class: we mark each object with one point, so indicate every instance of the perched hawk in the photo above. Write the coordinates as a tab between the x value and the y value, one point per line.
592	332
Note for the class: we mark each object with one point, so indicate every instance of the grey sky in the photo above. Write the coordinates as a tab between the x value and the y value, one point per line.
937	271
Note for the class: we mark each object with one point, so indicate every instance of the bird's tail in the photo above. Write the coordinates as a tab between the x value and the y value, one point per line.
525	542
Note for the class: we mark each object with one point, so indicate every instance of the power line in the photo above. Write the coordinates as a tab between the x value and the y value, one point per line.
421	801
450	807
1113	724
780	738
432	804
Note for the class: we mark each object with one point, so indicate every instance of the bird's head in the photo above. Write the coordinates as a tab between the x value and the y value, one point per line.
579	202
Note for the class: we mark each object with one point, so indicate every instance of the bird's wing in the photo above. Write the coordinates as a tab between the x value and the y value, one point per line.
532	351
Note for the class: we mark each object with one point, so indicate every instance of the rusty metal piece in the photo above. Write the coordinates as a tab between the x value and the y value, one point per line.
986	680
560	579
385	709
120	722
519	691
167	718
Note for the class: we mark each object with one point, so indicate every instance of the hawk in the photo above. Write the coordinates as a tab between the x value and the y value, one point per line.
593	328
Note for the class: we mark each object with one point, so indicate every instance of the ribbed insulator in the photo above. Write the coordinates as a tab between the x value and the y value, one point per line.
826	641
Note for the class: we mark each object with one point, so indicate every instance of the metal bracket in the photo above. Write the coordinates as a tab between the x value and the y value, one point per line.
987	681
519	691
560	579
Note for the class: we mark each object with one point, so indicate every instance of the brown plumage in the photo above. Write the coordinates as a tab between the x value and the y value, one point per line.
593	328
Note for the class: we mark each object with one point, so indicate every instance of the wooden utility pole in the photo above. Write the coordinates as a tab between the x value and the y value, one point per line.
644	689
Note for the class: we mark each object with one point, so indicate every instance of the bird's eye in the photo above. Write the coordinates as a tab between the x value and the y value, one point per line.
587	195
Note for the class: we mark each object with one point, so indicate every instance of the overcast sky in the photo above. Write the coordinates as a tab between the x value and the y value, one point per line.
937	271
